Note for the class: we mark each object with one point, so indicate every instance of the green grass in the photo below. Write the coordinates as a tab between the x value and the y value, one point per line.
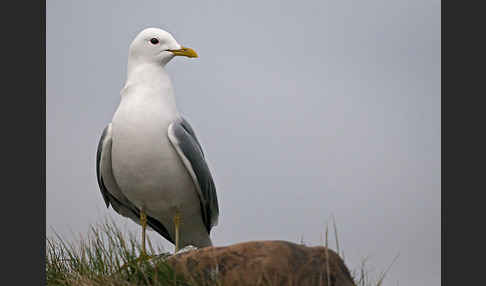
107	256
361	276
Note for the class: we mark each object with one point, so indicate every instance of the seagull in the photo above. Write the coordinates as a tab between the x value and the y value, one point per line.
150	166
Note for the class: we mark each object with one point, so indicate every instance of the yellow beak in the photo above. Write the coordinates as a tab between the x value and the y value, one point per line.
183	51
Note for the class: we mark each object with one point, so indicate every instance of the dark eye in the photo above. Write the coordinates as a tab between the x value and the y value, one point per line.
154	41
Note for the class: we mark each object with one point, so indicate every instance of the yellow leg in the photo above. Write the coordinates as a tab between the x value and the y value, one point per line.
177	222
143	221
143	254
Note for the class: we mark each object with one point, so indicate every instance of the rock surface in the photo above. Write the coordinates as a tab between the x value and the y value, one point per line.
262	263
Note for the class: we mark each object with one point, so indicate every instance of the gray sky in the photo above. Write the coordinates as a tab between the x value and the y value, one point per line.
304	109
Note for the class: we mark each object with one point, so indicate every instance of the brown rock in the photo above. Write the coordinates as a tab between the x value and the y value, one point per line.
262	263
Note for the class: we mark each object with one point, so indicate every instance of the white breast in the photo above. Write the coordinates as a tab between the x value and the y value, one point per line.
145	165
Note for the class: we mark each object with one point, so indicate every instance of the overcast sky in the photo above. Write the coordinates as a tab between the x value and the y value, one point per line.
305	109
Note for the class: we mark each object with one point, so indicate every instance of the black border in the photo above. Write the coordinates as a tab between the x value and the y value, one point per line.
43	136
23	142
463	141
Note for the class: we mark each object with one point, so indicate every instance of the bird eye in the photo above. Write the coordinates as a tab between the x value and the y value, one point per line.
154	41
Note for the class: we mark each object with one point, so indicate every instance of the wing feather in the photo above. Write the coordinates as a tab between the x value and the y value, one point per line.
184	140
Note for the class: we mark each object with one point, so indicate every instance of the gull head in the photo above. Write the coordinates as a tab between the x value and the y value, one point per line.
157	45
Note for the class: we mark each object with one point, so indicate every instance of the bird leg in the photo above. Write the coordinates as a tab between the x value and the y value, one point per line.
143	253
177	222
143	221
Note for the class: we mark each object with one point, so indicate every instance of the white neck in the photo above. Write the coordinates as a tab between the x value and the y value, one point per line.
153	79
147	73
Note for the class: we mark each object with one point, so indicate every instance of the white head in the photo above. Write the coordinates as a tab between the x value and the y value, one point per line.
158	46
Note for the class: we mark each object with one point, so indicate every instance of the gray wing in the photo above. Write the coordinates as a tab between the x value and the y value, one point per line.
184	140
111	192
